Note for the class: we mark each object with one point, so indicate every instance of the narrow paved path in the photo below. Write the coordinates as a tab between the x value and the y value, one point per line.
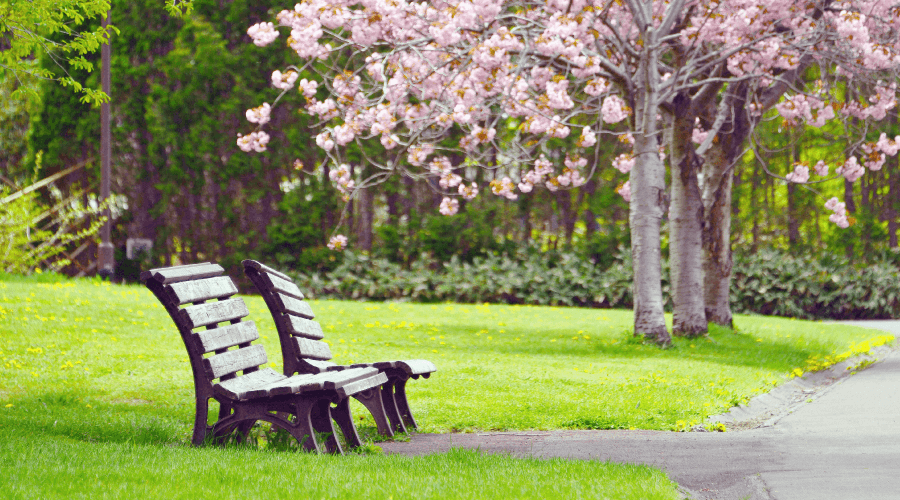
843	444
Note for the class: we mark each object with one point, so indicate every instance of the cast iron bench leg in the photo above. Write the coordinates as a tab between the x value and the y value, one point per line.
321	421
403	404
372	400
344	418
390	406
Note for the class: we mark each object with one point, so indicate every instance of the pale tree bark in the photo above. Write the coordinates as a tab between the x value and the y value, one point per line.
719	162
648	191
718	175
685	225
647	181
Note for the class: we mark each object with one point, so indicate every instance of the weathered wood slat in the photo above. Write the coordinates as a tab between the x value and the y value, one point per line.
284	286
240	387
259	266
297	384
199	290
312	349
410	366
227	336
175	274
381	365
339	379
303	327
290	305
326	380
362	385
323	366
213	312
233	361
417	366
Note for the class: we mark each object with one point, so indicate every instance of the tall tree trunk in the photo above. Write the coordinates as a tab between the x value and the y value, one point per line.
850	206
718	174
366	207
568	215
685	227
648	191
793	209
719	162
648	198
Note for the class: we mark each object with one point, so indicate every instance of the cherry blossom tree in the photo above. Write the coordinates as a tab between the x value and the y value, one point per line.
523	89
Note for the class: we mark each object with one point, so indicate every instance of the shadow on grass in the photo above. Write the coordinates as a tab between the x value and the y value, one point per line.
67	415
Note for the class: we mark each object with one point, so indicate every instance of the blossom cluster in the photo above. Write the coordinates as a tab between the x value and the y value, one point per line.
338	242
427	72
839	216
341	178
254	141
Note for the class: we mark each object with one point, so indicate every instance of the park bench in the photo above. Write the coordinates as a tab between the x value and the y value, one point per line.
228	367
304	351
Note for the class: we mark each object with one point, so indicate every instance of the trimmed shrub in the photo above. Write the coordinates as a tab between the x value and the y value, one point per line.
770	282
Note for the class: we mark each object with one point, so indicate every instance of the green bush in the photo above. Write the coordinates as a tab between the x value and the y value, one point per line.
815	287
769	282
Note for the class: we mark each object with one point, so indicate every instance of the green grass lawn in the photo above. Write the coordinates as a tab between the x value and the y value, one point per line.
96	396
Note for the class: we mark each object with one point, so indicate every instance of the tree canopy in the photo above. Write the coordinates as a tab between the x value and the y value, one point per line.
523	88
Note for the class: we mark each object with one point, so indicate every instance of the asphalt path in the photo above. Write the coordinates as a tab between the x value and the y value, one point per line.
830	435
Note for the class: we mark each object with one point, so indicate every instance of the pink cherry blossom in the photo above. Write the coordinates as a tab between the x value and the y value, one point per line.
625	191
337	243
800	175
262	33
254	141
449	206
259	115
614	109
468	192
624	162
851	169
284	81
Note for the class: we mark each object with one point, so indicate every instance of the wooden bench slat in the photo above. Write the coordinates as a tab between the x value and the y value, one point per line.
259	266
312	349
303	327
290	305
213	312
410	366
233	361
362	384
325	380
240	388
296	384
323	366
417	366
175	274
227	336
339	379
282	285
200	290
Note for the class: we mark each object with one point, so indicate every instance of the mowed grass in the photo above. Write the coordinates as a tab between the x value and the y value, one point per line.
96	395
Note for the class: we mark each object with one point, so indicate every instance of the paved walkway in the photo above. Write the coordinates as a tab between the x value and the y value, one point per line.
830	437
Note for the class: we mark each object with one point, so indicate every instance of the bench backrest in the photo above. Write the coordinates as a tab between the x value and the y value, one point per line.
200	301
300	336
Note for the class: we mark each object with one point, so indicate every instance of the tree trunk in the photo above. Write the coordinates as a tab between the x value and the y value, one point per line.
648	190
717	258
851	209
366	215
685	228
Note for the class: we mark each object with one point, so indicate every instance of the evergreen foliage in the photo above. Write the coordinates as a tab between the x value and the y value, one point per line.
770	282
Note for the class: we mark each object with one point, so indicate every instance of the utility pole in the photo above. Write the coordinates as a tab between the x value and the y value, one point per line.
105	266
